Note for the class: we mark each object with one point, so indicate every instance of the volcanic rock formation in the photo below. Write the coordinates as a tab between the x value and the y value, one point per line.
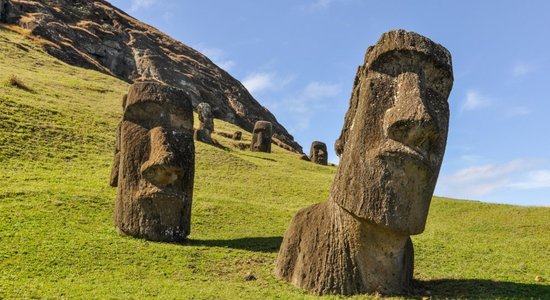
392	146
96	35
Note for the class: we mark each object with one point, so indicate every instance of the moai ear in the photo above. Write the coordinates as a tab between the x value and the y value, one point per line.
116	160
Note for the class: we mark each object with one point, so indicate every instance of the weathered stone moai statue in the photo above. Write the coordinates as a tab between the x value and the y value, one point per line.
154	163
393	142
237	135
318	153
261	137
206	123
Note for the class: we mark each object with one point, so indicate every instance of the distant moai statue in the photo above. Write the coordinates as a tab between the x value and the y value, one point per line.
154	163
4	10
237	135
318	153
261	137
392	146
206	123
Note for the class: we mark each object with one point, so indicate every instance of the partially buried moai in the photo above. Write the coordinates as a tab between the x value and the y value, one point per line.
318	153
154	163
392	145
261	137
206	123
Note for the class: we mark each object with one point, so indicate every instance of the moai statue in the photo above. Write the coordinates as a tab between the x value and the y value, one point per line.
261	137
154	163
318	153
206	123
395	133
238	135
4	10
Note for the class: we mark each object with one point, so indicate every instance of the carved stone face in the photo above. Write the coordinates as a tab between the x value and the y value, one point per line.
394	146
318	153
205	116
261	137
156	163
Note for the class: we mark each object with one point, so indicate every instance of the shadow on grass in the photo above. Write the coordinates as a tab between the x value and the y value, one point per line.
258	244
482	288
264	158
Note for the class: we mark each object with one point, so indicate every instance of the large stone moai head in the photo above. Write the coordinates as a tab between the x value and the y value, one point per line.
154	163
206	123
261	137
318	153
205	116
395	132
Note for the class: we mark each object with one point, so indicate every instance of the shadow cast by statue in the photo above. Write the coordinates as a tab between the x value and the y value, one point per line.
480	288
258	244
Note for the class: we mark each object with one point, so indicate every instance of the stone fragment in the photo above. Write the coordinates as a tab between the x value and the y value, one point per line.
206	123
391	148
261	137
318	153
154	163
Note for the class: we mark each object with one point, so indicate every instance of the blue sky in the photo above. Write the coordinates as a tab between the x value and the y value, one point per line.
298	58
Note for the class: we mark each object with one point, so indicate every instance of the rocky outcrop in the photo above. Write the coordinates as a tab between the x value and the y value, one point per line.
97	35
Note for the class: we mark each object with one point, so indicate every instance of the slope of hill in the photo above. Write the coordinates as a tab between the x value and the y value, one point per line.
96	35
57	240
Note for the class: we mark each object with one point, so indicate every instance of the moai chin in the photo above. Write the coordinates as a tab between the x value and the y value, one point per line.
261	137
391	148
206	123
318	153
154	163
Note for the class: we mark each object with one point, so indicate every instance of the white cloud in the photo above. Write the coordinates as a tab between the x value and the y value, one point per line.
139	4
521	69
534	180
482	180
474	100
265	81
218	56
313	97
321	4
518	111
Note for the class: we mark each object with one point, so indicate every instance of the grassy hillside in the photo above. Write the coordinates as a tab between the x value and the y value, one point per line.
56	232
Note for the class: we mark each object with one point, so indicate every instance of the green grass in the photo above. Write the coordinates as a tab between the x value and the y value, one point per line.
56	231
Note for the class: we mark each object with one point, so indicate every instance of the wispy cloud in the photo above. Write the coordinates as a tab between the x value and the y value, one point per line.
141	4
518	111
521	69
474	100
312	98
534	180
263	81
218	56
477	181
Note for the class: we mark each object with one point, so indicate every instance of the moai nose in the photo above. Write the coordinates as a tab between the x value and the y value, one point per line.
160	169
409	120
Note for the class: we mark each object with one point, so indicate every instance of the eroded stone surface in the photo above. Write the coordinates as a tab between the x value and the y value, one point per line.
261	137
318	153
154	163
391	149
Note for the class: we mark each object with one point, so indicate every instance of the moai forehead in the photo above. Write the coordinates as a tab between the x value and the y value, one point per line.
153	104
204	110
395	132
263	126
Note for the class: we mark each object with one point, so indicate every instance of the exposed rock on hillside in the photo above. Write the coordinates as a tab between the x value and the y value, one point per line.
97	35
